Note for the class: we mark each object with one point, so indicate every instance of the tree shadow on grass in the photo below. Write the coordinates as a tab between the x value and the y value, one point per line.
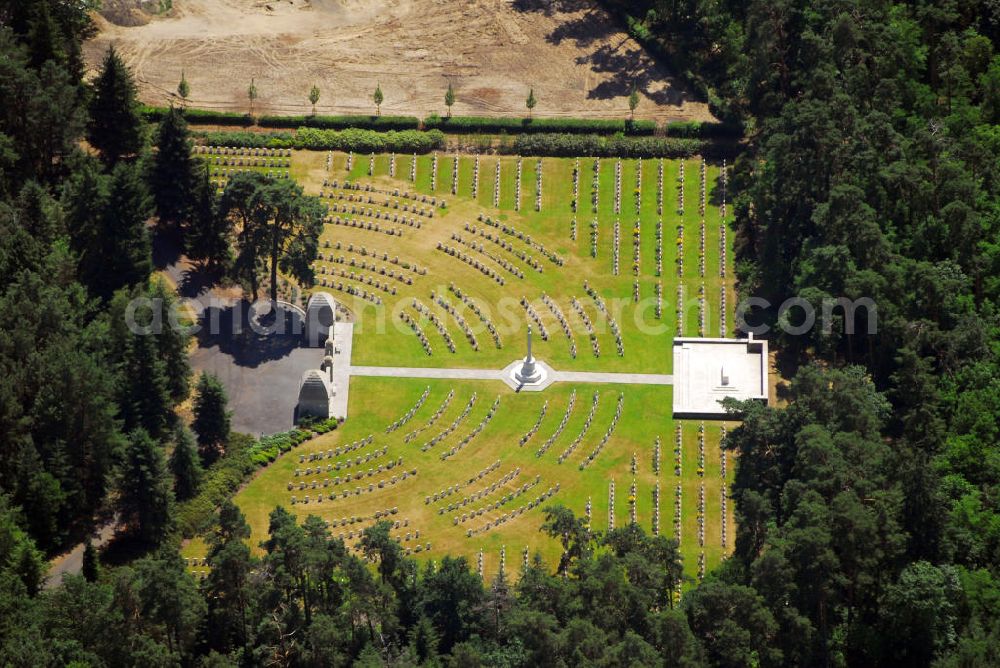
250	344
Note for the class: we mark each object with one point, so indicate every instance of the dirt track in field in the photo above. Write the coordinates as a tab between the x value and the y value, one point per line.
576	58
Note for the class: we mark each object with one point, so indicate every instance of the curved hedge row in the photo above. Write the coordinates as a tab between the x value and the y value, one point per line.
498	125
357	140
341	122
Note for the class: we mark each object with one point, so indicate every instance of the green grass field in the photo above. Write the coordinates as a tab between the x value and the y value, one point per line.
381	339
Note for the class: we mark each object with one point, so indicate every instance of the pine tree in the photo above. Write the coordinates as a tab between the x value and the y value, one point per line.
144	496
172	175
145	391
172	342
185	464
91	568
378	98
207	238
115	247
211	418
314	98
115	127
183	89
449	98
531	102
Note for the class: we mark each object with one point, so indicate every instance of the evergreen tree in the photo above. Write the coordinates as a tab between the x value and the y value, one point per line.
114	243
633	102
183	89
252	95
144	496
144	390
229	583
211	418
185	464
172	177
91	568
115	128
449	98
378	98
531	102
172	340
207	239
314	98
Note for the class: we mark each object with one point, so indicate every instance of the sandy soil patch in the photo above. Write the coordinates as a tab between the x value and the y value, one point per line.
575	57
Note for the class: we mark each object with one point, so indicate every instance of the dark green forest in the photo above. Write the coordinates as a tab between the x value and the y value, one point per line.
868	505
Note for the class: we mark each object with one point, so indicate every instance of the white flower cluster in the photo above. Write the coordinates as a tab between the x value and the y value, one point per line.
563	323
562	425
434	418
533	314
450	309
607	435
475	432
453	426
583	432
436	321
534	428
479	312
588	325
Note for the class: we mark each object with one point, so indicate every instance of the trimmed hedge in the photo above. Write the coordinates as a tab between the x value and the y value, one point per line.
703	130
496	125
341	122
357	140
200	116
567	145
244	455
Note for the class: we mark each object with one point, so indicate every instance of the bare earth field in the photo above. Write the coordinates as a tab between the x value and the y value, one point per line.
572	53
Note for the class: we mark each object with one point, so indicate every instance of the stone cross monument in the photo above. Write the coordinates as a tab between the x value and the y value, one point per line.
529	372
